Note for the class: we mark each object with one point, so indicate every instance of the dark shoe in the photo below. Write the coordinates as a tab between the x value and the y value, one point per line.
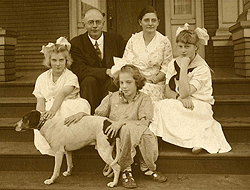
157	176
128	180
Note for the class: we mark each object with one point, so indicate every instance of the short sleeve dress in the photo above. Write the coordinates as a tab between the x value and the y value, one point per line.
73	103
190	128
150	59
115	107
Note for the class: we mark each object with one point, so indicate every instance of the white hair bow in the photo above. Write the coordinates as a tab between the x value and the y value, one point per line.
61	41
201	33
118	64
179	29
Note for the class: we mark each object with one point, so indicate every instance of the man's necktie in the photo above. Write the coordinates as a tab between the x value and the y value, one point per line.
98	51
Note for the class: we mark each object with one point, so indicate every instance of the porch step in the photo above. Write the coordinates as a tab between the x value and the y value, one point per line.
22	156
24	85
16	106
231	86
225	106
232	106
236	130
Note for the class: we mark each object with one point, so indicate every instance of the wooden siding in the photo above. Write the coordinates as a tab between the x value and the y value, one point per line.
37	22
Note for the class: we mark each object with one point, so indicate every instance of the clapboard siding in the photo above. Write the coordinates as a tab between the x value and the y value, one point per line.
37	22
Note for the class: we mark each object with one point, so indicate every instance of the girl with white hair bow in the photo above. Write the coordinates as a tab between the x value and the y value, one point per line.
57	89
185	118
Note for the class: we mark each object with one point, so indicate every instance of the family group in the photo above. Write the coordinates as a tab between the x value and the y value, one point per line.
97	73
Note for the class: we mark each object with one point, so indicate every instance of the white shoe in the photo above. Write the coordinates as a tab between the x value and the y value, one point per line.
196	150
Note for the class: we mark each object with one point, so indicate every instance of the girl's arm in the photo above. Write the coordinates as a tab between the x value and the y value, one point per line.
170	93
66	90
40	105
185	89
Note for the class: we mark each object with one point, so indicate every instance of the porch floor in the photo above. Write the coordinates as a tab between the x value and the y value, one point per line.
94	181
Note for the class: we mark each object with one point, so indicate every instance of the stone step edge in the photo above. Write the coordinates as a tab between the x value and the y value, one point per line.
218	98
27	149
228	122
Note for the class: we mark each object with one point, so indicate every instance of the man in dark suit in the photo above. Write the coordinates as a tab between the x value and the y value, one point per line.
92	54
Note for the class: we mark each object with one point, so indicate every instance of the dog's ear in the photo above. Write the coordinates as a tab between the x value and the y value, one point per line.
32	117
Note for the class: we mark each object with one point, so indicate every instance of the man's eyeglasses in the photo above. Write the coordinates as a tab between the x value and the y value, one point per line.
97	22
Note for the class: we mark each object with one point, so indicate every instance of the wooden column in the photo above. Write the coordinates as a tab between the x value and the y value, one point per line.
7	55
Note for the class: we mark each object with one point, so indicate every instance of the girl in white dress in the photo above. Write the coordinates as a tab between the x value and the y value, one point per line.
149	51
57	89
185	118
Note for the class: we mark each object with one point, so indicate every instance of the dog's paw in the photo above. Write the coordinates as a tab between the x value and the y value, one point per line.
48	181
66	173
111	184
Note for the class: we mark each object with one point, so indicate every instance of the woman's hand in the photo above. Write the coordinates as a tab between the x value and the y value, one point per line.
74	118
48	114
187	103
152	79
113	129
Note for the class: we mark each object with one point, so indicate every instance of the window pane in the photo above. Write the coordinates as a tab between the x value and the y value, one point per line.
182	7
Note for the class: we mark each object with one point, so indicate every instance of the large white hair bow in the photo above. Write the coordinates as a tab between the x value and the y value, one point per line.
118	64
179	29
61	41
201	33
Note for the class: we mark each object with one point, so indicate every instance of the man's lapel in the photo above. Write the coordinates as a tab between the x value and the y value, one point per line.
89	47
108	48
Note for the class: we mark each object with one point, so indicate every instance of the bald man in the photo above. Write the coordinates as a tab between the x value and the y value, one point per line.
92	54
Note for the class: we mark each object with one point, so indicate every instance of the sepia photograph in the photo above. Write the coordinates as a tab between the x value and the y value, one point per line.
124	94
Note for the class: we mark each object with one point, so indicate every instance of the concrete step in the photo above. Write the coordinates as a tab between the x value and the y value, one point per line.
20	180
22	156
236	130
225	106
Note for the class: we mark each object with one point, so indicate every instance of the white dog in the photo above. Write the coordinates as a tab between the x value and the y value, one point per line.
63	140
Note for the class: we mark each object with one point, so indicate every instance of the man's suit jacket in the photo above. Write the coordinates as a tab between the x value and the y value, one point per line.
85	59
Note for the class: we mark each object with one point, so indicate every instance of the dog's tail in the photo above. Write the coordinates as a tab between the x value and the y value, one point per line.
118	151
109	172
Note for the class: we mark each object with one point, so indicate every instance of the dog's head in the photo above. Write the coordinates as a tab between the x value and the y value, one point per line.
30	120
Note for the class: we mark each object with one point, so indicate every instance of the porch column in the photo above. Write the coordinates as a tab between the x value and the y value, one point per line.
228	12
241	40
7	55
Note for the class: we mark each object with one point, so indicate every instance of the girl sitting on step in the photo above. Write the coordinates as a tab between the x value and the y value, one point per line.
185	118
57	89
132	110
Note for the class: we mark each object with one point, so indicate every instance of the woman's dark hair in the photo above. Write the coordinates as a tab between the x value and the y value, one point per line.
139	79
146	10
187	37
